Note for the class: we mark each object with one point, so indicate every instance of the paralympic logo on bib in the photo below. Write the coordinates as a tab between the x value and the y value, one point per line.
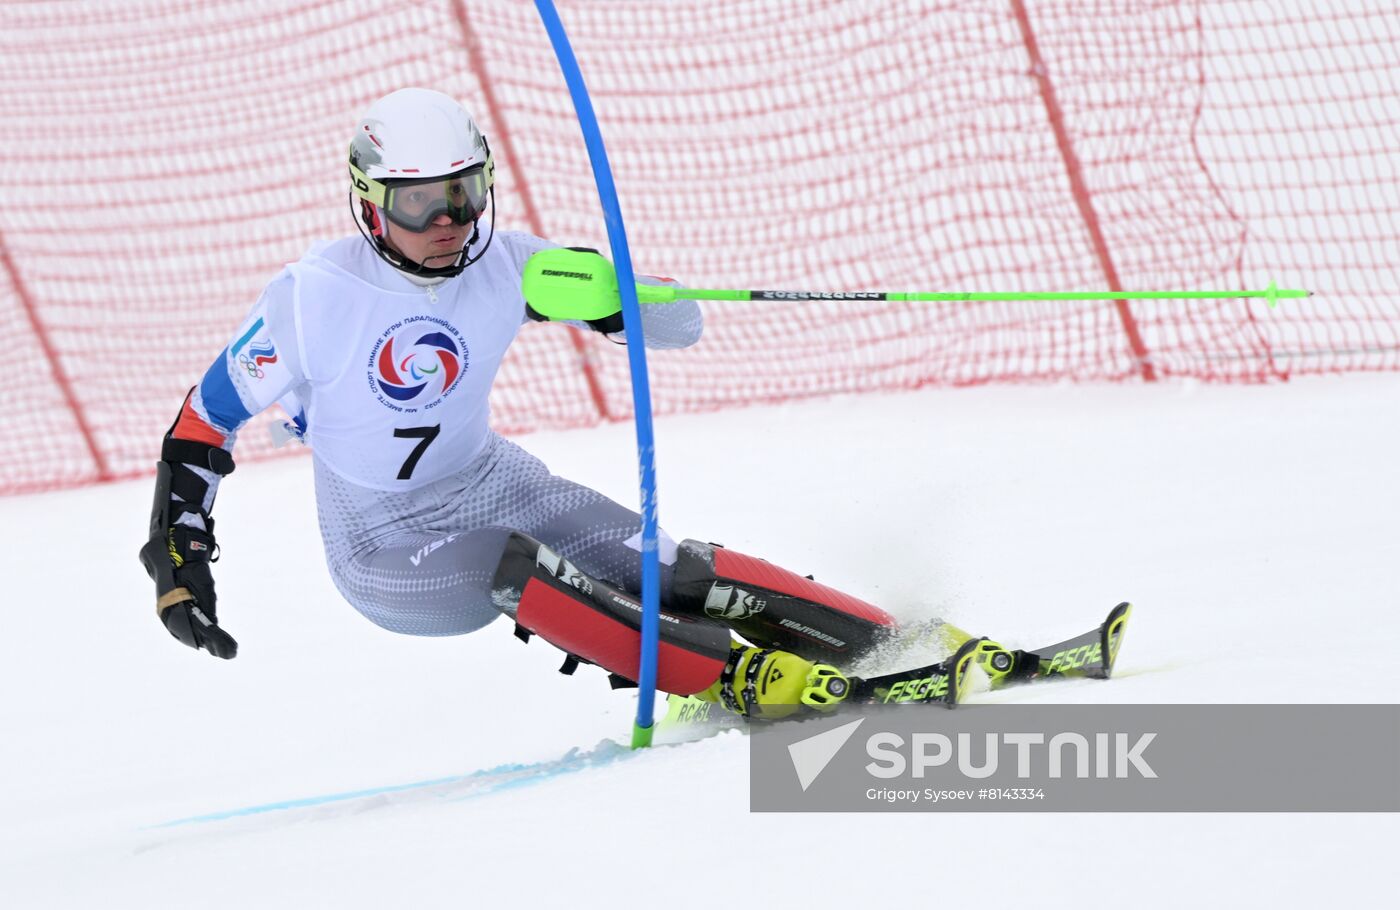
416	363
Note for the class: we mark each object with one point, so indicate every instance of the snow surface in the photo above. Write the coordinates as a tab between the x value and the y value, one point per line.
1253	527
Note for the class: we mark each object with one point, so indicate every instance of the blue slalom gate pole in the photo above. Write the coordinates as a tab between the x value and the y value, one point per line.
637	362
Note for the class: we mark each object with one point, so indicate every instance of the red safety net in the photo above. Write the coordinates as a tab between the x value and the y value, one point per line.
164	158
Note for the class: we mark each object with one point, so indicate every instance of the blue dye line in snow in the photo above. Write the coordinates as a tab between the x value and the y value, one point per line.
476	784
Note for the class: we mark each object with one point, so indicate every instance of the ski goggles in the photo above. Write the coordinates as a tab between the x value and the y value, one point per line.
415	203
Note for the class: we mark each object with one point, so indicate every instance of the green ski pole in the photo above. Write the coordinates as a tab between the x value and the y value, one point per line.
581	284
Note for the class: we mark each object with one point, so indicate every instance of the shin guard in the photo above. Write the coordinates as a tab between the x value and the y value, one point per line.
598	623
775	608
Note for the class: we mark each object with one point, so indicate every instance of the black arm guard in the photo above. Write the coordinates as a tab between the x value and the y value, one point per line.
176	555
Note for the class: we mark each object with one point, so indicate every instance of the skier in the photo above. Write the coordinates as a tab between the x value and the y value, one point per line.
383	348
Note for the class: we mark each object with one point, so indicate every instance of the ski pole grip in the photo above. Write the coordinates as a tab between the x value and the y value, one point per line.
570	283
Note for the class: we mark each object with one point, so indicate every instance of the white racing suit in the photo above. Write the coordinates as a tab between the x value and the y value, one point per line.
433	524
390	379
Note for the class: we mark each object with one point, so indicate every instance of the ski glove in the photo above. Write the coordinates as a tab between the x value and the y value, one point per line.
181	545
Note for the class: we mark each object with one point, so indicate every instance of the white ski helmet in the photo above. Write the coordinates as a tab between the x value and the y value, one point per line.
416	155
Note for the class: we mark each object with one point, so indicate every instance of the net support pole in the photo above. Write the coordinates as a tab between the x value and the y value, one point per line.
476	59
60	376
1080	189
637	363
